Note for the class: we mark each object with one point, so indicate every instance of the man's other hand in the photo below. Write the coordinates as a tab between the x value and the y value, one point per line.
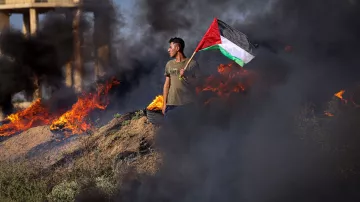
163	109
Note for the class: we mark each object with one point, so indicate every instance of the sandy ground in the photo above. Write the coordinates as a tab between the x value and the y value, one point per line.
36	143
19	145
120	139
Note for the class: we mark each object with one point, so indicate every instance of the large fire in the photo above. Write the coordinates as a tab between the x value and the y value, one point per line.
73	121
34	115
231	79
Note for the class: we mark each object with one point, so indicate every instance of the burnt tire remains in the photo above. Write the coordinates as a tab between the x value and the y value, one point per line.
155	117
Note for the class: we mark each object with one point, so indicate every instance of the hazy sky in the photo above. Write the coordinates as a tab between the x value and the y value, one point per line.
16	20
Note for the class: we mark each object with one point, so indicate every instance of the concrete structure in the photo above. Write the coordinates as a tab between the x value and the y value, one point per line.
30	9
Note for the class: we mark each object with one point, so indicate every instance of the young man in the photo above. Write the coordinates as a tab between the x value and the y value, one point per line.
180	84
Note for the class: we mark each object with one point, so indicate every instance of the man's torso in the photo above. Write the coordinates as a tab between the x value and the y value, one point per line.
180	92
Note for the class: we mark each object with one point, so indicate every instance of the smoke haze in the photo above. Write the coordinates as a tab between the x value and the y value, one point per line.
39	57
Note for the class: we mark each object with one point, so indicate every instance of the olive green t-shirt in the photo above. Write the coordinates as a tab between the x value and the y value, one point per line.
182	91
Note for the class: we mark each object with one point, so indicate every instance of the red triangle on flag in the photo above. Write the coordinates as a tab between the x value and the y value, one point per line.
211	37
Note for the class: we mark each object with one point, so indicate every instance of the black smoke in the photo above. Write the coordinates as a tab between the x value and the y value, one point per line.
30	60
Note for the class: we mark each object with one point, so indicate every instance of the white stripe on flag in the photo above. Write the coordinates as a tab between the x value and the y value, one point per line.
235	50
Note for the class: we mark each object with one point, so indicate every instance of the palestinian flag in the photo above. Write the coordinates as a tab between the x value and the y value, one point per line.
231	42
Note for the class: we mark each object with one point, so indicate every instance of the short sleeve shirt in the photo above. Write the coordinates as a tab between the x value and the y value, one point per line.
181	90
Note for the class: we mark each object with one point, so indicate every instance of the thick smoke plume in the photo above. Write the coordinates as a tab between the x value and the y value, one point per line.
251	150
29	60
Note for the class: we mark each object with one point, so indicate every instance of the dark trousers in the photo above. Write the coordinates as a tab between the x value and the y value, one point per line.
168	109
173	109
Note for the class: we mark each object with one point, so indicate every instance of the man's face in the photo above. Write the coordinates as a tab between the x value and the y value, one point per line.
173	49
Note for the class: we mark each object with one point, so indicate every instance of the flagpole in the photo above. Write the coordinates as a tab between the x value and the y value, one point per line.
192	56
187	64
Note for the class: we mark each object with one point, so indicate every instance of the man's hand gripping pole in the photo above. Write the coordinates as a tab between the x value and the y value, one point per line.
187	64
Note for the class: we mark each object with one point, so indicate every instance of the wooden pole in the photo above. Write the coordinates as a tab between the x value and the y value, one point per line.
187	64
192	56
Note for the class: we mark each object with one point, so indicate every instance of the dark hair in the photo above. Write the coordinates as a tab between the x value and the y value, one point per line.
179	41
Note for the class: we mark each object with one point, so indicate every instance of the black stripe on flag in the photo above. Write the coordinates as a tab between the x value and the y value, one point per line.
235	36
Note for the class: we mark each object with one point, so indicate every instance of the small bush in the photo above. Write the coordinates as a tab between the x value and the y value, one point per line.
117	115
106	184
65	191
138	115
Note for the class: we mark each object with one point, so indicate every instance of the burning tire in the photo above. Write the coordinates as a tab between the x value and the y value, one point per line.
155	117
154	112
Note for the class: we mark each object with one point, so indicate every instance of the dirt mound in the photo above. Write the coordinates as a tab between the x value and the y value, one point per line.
125	139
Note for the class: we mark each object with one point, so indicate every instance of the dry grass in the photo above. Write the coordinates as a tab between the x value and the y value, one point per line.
22	182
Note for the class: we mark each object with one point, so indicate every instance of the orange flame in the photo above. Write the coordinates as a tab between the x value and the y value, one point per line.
340	94
34	115
73	121
231	79
156	104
